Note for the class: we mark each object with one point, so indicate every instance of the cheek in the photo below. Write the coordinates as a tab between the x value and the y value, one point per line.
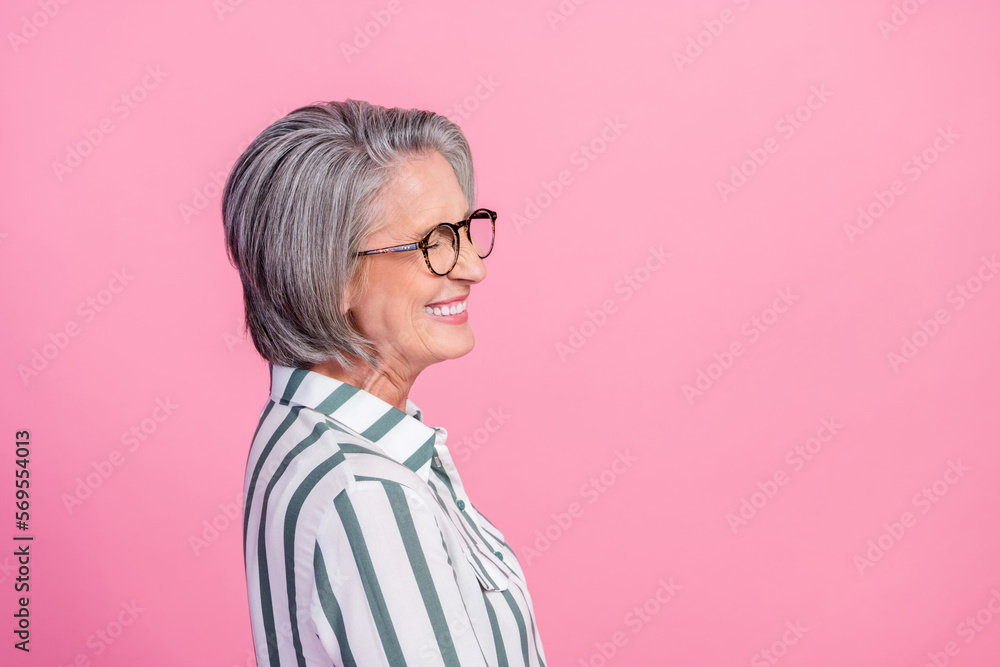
394	296
381	319
398	318
404	319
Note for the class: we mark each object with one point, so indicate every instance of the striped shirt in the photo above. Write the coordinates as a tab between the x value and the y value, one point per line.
361	544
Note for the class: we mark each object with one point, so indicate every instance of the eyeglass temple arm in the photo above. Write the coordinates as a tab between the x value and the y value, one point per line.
398	248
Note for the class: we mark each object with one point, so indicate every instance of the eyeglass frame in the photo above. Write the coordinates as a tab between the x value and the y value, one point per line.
456	227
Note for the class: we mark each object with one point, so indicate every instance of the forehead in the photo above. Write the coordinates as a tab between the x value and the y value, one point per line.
424	193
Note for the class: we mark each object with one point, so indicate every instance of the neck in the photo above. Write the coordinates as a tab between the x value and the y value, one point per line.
392	387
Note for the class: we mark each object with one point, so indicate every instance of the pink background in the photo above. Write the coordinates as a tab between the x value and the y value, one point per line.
584	368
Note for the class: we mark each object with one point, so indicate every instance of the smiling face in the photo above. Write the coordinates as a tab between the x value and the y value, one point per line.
402	307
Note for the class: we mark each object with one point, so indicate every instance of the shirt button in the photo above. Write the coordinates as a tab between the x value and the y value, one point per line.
437	462
499	555
461	504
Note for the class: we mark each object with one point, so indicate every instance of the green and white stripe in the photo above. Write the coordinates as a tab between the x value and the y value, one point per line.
361	544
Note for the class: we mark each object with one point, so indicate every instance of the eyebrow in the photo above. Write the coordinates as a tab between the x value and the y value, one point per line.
468	214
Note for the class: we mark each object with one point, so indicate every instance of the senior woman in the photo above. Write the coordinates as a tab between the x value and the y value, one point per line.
353	229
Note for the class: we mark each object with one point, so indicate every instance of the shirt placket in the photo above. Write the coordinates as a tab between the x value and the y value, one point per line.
466	519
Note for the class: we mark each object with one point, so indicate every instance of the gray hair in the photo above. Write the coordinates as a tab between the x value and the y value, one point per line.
300	203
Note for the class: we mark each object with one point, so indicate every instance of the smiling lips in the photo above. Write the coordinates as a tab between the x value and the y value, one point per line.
452	310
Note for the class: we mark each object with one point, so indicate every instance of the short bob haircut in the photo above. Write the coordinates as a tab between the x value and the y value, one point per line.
300	203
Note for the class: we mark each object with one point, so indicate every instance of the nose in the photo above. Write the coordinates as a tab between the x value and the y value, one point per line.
470	266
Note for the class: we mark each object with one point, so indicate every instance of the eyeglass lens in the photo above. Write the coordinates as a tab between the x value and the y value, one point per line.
481	233
441	249
443	246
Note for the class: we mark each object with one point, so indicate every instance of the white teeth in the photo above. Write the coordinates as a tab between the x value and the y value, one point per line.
453	309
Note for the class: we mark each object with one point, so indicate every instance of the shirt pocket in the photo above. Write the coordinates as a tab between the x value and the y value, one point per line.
488	572
487	527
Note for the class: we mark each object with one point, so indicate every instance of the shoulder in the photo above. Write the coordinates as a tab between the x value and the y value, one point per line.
302	452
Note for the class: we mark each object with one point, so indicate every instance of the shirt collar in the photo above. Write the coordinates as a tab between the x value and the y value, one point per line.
401	435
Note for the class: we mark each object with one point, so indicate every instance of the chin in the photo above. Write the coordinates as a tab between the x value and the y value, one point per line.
459	347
